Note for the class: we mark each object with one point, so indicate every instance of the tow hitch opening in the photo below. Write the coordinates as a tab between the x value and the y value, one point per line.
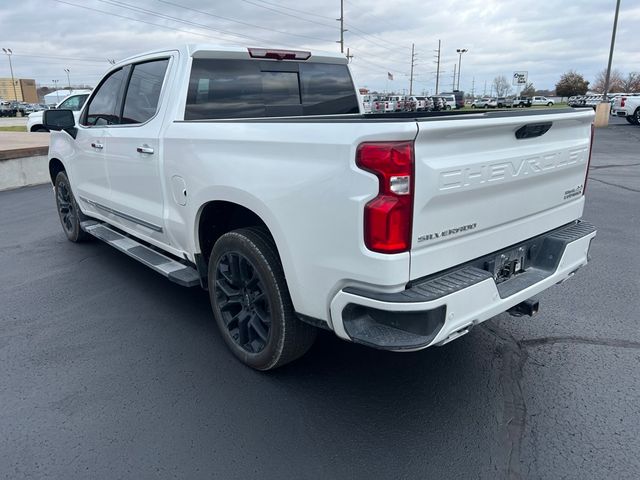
528	307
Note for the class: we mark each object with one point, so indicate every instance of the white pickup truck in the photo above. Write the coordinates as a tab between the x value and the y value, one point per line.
254	174
627	106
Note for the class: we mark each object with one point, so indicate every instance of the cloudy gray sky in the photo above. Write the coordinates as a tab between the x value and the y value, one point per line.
544	37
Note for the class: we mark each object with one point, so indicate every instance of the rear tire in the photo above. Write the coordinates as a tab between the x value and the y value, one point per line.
251	303
68	210
637	115
632	119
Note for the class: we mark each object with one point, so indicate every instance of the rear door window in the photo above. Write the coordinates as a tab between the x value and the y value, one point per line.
254	88
143	92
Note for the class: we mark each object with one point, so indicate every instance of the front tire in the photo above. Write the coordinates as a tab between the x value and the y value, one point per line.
637	115
251	303
68	211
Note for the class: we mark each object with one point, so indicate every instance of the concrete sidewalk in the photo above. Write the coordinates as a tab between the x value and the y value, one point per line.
14	143
23	159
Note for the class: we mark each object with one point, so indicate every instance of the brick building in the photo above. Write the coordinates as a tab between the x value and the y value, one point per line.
25	90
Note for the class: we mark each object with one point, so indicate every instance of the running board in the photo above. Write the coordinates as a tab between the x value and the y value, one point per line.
172	269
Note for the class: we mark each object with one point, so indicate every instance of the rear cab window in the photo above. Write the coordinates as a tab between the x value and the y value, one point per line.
221	88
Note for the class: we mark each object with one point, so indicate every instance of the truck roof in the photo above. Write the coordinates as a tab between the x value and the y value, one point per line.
204	50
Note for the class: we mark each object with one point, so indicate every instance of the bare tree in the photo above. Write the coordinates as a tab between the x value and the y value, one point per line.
529	90
615	81
631	83
501	86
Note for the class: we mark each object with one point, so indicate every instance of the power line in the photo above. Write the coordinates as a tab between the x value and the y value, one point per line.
190	32
239	21
133	8
294	10
288	14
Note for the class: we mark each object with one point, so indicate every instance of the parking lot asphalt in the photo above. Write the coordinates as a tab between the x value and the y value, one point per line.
109	371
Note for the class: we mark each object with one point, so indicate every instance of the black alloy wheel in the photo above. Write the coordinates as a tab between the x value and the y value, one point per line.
68	211
251	302
243	303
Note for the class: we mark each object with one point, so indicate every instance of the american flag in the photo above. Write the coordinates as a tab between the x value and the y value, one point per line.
389	75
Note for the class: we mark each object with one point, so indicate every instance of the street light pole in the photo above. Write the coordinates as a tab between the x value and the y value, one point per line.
67	71
55	84
602	109
613	42
460	52
8	53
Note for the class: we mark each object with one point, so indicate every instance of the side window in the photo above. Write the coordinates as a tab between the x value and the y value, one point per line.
73	103
143	92
103	107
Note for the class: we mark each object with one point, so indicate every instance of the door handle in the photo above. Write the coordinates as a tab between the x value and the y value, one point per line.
145	149
97	145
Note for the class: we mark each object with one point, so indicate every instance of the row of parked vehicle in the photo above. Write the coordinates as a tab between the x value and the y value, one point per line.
411	103
594	99
509	102
11	108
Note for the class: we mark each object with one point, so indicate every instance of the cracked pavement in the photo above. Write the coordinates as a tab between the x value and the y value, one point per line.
110	371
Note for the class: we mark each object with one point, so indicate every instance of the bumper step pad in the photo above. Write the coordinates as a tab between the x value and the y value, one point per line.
174	270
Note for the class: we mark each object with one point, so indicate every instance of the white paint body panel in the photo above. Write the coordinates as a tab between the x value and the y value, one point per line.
300	178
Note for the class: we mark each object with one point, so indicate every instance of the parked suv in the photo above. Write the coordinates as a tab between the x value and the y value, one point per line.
480	102
522	102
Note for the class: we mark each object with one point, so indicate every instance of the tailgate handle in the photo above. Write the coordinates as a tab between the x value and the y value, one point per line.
533	130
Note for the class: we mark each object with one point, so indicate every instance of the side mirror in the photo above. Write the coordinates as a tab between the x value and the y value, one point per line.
59	120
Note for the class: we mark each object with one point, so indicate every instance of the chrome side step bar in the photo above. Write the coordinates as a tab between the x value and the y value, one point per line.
172	269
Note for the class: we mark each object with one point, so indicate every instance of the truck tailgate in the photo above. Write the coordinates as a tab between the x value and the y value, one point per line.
479	188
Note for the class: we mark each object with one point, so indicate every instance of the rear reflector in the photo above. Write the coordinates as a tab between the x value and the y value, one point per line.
278	54
623	100
388	217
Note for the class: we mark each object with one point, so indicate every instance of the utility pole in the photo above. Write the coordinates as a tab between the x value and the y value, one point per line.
473	88
8	53
342	30
484	92
349	56
67	71
438	65
413	61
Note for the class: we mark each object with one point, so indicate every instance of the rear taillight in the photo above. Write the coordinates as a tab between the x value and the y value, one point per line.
623	100
586	175
388	217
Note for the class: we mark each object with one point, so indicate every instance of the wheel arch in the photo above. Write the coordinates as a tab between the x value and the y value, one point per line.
55	167
217	217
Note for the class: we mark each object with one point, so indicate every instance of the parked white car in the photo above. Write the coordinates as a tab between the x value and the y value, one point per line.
72	102
541	101
296	211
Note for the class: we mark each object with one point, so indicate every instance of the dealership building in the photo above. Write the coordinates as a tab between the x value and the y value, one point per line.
25	90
